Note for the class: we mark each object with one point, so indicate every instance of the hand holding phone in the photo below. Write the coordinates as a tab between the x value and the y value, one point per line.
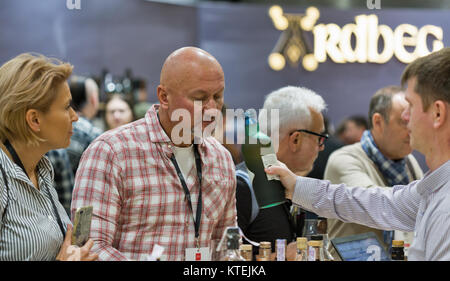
82	226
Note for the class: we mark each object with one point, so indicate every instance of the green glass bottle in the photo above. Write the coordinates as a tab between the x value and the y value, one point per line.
269	192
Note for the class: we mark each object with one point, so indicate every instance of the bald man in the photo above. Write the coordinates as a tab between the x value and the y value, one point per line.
158	180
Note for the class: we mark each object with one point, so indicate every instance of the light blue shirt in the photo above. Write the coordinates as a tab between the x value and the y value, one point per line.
422	207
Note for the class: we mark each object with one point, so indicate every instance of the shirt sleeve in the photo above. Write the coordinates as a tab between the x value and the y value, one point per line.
389	209
98	183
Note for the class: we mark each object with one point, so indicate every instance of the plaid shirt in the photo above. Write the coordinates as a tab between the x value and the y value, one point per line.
127	175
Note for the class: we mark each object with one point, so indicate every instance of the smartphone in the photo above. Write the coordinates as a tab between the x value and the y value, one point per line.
82	226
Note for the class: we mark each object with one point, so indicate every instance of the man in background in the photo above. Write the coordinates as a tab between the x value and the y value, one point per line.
85	101
351	129
382	158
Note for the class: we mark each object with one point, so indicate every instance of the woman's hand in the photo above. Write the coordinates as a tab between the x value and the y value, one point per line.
287	177
70	252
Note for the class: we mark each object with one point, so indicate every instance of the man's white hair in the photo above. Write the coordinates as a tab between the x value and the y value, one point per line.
293	105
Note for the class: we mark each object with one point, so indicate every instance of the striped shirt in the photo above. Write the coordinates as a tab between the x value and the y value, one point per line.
422	207
127	176
29	229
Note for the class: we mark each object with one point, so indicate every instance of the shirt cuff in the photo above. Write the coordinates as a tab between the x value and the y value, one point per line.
305	192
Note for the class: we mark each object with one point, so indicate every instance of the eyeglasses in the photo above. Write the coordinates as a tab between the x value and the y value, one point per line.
321	139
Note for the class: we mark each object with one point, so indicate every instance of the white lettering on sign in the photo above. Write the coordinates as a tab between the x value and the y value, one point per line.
406	42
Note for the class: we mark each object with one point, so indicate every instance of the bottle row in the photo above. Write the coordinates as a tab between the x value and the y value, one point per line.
313	249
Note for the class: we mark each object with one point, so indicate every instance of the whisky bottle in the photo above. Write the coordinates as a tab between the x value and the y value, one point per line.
398	252
302	254
232	252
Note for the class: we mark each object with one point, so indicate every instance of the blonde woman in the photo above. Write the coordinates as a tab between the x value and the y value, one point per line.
35	117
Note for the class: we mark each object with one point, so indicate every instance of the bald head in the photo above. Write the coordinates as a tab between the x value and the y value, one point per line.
189	63
192	80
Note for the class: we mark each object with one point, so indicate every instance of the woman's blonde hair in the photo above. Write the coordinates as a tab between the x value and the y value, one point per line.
28	81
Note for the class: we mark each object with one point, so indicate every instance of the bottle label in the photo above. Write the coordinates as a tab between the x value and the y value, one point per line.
281	254
311	254
270	160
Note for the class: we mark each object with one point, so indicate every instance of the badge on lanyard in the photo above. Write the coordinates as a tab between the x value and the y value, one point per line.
198	254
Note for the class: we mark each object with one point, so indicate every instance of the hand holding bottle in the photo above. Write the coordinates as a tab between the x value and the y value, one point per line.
287	177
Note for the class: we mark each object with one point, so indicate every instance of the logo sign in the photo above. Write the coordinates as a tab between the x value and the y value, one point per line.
406	42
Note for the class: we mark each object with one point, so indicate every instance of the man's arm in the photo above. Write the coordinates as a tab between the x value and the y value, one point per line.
394	208
97	183
390	209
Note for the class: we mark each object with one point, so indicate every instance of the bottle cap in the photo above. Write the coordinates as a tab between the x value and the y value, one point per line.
264	244
313	243
301	242
398	243
317	237
246	247
280	242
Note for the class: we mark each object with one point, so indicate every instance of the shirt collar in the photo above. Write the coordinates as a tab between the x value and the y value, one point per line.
8	164
44	166
432	181
157	133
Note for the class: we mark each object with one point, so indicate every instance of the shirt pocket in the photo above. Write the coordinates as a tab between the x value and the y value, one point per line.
215	197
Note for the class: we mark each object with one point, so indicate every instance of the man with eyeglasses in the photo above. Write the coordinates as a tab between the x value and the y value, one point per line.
382	158
300	140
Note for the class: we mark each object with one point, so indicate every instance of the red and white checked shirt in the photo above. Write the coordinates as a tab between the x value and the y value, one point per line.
127	176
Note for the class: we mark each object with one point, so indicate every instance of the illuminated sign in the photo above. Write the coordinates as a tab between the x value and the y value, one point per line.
335	42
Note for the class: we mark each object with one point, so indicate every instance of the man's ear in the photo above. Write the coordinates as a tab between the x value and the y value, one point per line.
295	141
377	122
439	109
163	97
32	117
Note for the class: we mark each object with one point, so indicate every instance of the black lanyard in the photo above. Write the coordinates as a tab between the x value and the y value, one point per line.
198	215
17	160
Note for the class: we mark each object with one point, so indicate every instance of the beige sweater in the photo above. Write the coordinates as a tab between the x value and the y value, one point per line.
351	165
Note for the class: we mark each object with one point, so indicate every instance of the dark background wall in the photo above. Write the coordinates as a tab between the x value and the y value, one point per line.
138	34
112	34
